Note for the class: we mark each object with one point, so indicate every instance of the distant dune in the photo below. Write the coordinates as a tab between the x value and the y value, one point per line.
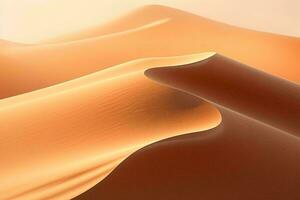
173	32
143	107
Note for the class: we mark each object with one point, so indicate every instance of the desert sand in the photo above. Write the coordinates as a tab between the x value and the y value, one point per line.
150	31
242	158
143	107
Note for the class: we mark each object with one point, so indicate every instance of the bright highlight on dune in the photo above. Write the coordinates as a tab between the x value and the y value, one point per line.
156	104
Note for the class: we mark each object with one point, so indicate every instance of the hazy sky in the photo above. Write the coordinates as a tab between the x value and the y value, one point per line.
34	20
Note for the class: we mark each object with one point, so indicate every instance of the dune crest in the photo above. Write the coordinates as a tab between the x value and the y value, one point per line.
252	154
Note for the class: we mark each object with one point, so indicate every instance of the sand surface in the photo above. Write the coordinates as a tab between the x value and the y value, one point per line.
146	109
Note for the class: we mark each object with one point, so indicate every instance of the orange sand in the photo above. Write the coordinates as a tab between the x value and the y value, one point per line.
72	109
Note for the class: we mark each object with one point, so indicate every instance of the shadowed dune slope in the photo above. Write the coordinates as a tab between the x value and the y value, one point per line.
252	154
151	31
240	88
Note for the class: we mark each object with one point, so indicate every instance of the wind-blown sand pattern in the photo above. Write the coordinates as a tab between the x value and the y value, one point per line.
141	108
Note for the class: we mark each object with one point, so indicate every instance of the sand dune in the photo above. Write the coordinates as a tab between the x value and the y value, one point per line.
250	155
75	109
178	33
87	127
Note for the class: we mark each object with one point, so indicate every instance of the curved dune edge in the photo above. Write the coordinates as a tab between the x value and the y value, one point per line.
252	154
72	135
239	88
105	74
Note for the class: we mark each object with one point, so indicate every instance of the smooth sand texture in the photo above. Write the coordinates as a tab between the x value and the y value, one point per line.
72	135
171	33
73	109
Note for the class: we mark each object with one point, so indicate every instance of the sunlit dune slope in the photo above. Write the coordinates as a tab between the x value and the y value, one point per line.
66	138
112	72
150	31
252	154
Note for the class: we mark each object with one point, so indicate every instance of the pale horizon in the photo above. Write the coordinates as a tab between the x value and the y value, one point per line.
32	21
